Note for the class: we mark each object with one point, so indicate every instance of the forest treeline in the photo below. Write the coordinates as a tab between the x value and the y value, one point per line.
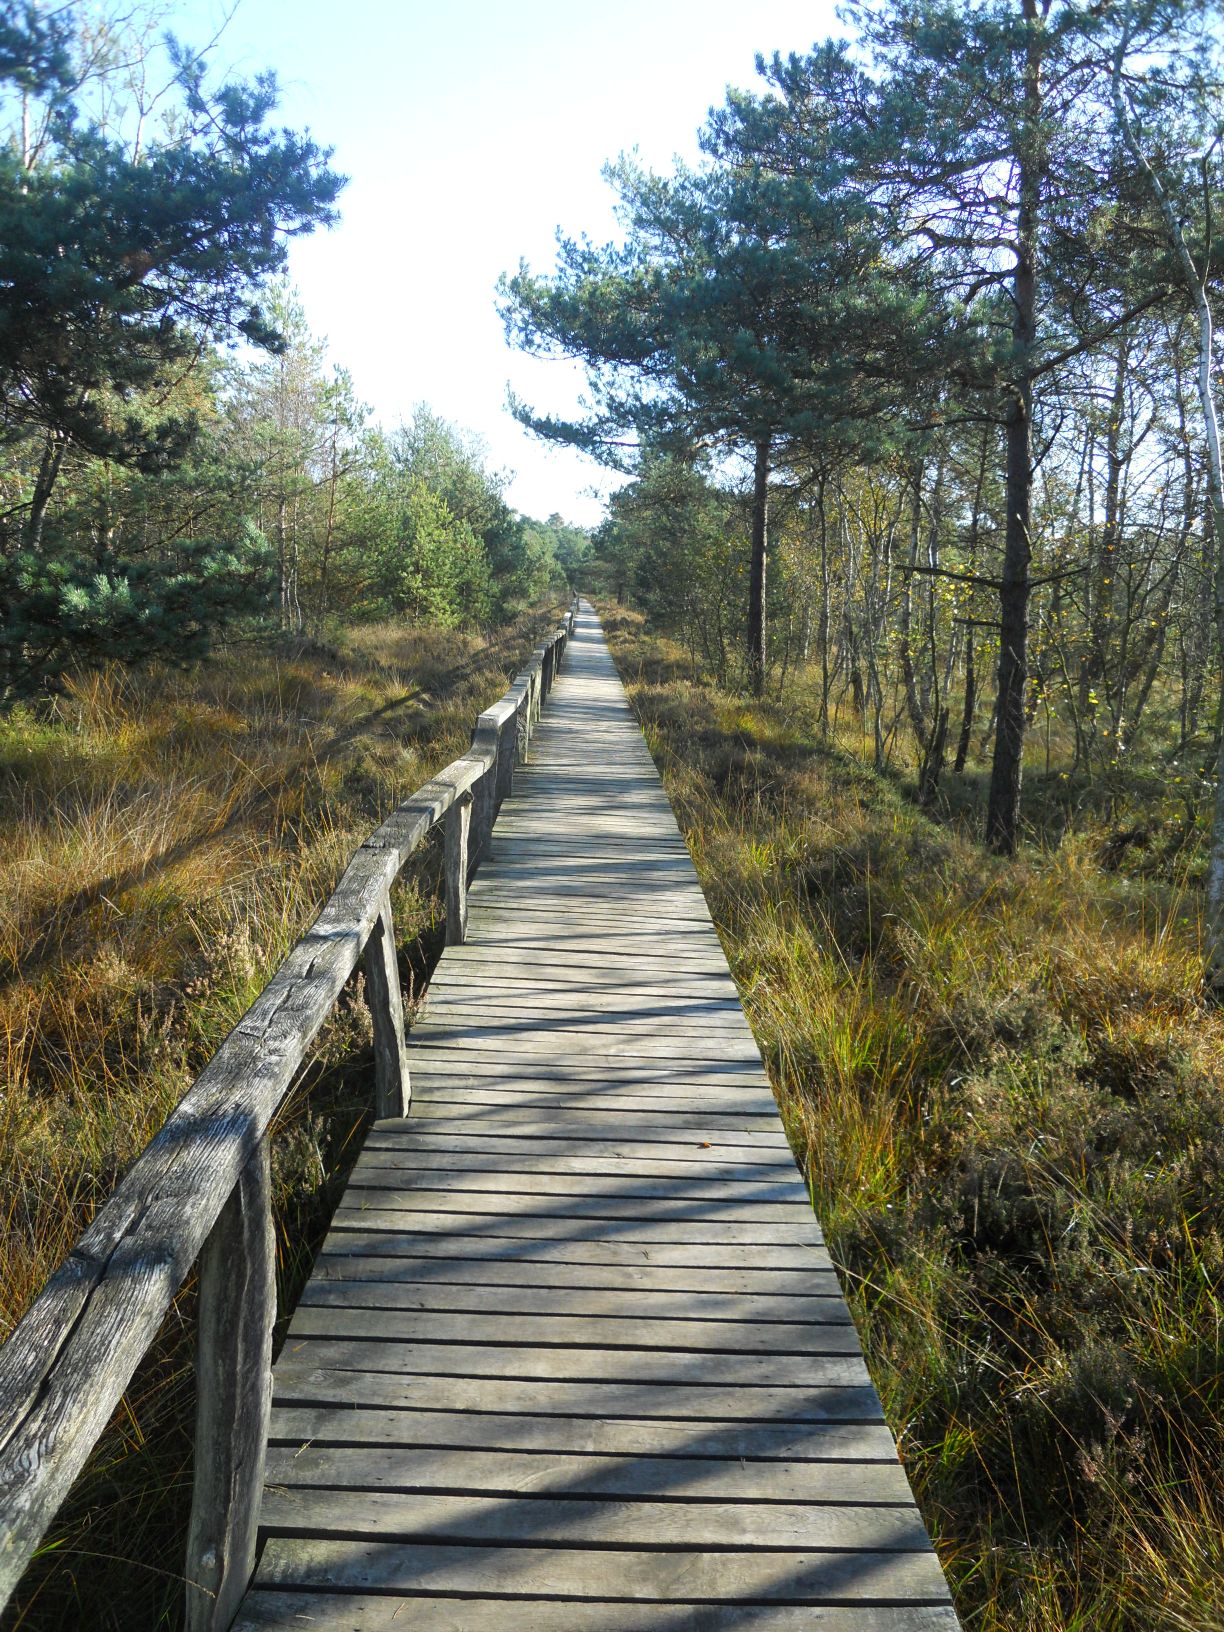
913	374
178	460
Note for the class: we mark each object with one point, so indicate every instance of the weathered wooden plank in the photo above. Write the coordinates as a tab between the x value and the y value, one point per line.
604	1205
741	1186
696	1234
557	1095
537	1131
518	990
542	1520
640	873
388	1612
352	1255
345	1319
663	1575
600	917
507	1169
607	928
469	1093
563	987
410	1139
632	1443
511	1043
562	1364
502	1069
396	1241
537	942
670	1126
494	1066
237	1310
464	1469
305	1384
629	1304
695	1025
605	921
592	973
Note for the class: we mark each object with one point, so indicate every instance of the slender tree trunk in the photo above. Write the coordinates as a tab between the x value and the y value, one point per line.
964	740
824	613
913	702
757	569
1003	807
1105	582
329	533
44	486
966	729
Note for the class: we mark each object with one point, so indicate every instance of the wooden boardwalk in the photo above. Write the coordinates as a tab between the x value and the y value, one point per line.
574	1357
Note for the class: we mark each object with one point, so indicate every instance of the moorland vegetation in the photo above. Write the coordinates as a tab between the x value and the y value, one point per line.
916	581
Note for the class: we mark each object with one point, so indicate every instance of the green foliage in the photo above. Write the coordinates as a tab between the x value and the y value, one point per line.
436	569
114	262
555	545
675	543
68	611
123	261
744	304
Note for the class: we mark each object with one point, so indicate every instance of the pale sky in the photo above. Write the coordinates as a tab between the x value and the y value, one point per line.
471	131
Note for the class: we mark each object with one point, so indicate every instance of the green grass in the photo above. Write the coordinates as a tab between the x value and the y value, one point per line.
1006	1095
164	839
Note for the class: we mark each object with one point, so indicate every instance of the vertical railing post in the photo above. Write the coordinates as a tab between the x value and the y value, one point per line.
507	743
237	1308
392	1088
522	725
484	802
458	827
537	685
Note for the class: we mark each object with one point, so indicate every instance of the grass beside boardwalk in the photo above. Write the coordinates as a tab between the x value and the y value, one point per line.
164	839
1009	1103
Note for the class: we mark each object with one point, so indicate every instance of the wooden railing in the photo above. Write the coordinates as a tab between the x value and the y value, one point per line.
201	1190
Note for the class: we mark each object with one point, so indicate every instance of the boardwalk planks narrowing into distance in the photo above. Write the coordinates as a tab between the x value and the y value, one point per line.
574	1358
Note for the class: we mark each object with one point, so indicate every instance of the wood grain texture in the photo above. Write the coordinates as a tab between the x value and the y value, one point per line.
237	1309
657	1575
507	1474
392	1089
458	828
636	1440
527	1518
358	1612
296	1381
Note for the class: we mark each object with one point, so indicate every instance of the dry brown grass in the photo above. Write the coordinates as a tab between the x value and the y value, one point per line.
164	838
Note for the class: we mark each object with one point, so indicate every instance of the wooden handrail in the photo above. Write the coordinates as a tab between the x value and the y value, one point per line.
201	1187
